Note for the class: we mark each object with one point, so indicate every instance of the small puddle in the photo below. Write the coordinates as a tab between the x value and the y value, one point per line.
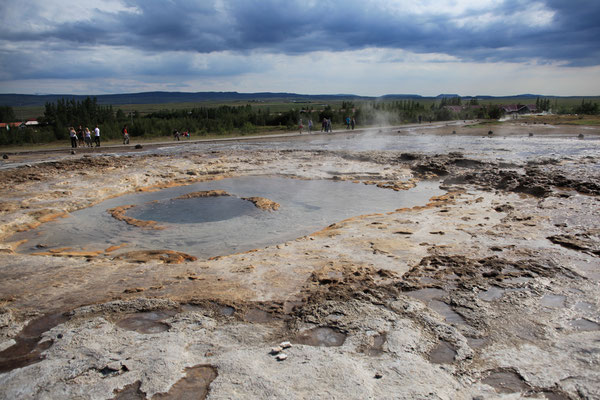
223	310
226	311
451	316
432	297
443	353
193	386
321	336
493	293
27	349
146	322
477	343
428	294
506	382
583	324
258	316
553	301
584	307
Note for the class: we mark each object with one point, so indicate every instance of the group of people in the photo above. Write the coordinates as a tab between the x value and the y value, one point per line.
350	122
177	135
83	137
326	124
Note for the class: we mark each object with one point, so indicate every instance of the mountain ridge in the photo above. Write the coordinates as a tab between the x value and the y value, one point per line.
162	97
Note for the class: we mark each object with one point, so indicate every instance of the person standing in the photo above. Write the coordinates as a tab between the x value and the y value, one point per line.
125	135
80	136
97	136
300	126
310	125
73	136
88	137
347	122
324	125
329	125
352	123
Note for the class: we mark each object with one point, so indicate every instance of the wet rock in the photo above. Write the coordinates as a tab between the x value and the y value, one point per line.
119	214
262	203
165	256
201	194
28	346
504	208
588	242
433	167
410	156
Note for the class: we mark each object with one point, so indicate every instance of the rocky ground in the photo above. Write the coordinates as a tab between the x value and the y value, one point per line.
487	291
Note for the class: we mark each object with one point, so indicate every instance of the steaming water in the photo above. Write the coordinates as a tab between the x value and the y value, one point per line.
510	148
212	226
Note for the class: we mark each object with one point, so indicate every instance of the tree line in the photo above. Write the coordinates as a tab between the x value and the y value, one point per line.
244	119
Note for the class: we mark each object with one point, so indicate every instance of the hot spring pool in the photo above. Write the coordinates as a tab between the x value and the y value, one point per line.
212	226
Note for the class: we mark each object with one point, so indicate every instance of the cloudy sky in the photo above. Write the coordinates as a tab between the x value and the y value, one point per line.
364	47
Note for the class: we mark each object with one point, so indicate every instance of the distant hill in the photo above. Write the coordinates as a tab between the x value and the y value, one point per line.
23	100
19	100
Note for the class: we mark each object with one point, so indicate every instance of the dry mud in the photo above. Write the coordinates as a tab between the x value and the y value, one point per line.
488	291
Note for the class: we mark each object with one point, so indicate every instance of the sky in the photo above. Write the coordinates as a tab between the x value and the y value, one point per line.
362	47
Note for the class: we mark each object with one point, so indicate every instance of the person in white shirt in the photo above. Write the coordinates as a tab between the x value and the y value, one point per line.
97	136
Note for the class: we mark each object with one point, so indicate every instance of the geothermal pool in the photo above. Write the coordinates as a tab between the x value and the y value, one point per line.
211	226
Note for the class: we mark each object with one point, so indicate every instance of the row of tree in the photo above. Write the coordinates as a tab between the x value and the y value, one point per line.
59	116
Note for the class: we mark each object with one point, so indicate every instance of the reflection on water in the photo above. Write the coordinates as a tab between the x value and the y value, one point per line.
207	227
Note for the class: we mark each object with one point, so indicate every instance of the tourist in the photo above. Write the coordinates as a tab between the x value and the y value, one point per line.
352	123
324	125
176	135
329	125
88	137
73	136
125	135
347	122
97	136
310	125
300	125
80	136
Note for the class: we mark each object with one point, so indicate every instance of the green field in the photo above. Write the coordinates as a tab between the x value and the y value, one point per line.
283	105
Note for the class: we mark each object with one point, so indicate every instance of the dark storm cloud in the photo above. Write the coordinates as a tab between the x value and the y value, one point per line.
512	30
294	27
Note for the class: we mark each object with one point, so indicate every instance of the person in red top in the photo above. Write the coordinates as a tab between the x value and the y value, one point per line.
125	135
